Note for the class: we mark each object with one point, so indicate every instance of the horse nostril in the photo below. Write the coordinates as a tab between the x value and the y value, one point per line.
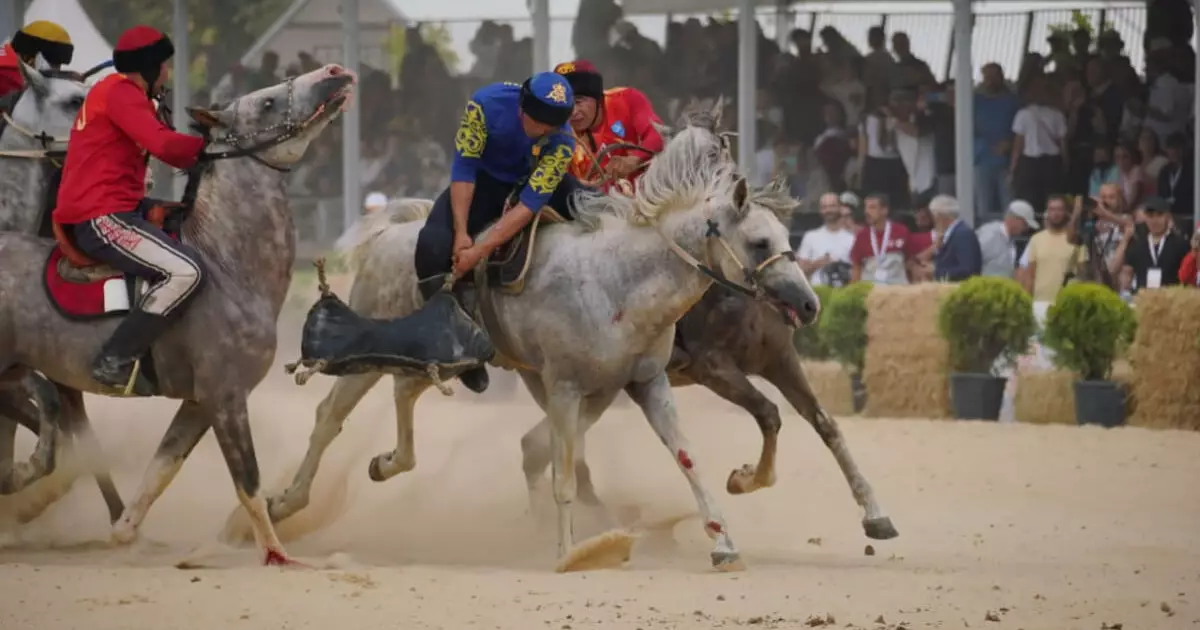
334	70
810	307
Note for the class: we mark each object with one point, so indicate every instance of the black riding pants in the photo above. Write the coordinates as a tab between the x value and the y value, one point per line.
130	243
435	244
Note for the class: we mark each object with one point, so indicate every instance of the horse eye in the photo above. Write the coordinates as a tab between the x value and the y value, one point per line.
76	102
761	244
268	103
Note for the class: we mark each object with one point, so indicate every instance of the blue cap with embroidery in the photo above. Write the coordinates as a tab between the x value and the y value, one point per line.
547	98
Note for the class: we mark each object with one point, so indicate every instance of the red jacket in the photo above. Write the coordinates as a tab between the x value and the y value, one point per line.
627	116
10	71
105	169
1187	270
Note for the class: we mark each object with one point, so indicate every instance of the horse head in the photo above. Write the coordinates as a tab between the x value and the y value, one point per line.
754	252
41	115
277	123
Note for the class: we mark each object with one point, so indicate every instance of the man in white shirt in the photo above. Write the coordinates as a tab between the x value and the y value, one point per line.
996	239
827	244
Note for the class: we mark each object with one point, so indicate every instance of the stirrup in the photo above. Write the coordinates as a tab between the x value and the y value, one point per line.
133	377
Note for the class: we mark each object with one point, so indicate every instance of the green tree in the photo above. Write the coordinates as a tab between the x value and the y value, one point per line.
220	31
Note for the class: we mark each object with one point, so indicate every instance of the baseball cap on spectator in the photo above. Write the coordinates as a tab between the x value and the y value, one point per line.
849	199
1156	204
1021	209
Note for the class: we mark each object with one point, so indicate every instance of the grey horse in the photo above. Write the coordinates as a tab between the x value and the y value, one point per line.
33	133
242	226
596	315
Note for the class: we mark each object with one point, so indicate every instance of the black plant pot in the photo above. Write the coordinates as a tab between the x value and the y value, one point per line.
1099	402
976	396
859	393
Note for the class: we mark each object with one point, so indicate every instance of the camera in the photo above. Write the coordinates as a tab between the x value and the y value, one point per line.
1087	219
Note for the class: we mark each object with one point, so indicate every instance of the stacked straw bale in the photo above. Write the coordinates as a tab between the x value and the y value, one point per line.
831	384
1166	358
907	361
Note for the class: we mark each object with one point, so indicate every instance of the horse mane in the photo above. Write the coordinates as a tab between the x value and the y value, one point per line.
692	168
777	198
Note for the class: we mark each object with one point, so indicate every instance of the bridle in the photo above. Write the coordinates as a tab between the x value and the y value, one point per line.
48	151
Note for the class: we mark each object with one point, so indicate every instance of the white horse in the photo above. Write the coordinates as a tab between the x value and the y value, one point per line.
596	315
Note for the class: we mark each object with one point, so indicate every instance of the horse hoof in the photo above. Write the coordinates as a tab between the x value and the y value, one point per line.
123	536
727	561
880	528
373	470
280	559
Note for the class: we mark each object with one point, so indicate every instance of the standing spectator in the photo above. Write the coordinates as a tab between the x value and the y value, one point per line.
1040	133
1105	96
850	212
882	249
831	153
1175	182
937	107
1050	256
1085	136
995	108
1170	102
878	67
879	165
999	240
1129	174
839	82
1153	159
914	143
1187	268
957	255
912	70
1153	260
827	244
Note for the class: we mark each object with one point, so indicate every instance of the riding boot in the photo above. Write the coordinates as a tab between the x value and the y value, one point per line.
474	379
114	367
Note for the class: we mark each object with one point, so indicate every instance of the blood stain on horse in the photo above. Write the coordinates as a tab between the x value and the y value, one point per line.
684	460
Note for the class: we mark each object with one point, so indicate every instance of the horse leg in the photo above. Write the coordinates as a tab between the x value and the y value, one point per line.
231	424
187	428
720	375
406	391
75	423
788	377
331	416
563	407
16	408
655	399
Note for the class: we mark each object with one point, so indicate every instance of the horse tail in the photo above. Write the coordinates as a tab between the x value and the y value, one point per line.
354	243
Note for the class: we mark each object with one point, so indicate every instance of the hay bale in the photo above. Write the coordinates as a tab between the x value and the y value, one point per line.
1045	397
907	361
1166	357
831	384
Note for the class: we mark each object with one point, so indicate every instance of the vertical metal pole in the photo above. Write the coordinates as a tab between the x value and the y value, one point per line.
541	35
964	112
1196	136
747	86
351	153
784	20
180	92
1028	38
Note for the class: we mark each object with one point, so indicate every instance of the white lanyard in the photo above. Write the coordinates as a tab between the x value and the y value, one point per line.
1175	179
887	238
1155	252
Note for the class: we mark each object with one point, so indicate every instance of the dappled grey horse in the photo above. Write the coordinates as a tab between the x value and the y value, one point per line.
216	354
596	315
34	130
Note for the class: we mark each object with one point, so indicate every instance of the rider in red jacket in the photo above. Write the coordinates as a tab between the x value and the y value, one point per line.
102	198
602	118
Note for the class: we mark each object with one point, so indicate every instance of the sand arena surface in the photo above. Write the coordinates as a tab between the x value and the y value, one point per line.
1035	527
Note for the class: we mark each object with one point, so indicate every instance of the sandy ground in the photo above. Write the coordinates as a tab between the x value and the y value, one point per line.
1001	526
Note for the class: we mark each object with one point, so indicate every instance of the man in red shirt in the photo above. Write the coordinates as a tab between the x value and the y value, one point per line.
602	118
41	38
102	198
882	249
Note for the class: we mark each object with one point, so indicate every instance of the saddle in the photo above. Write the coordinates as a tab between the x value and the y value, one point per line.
508	266
439	340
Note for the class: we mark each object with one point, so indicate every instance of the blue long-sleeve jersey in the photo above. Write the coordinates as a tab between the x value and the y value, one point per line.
490	138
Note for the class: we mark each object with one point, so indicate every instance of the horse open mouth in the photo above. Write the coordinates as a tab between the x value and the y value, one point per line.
790	315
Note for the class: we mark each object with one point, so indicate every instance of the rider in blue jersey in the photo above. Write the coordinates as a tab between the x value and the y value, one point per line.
510	135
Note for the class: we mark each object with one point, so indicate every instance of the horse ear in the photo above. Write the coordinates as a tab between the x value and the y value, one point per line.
741	193
212	119
34	80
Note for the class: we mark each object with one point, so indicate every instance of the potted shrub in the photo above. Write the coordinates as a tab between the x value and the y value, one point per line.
843	328
807	339
987	322
1087	327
